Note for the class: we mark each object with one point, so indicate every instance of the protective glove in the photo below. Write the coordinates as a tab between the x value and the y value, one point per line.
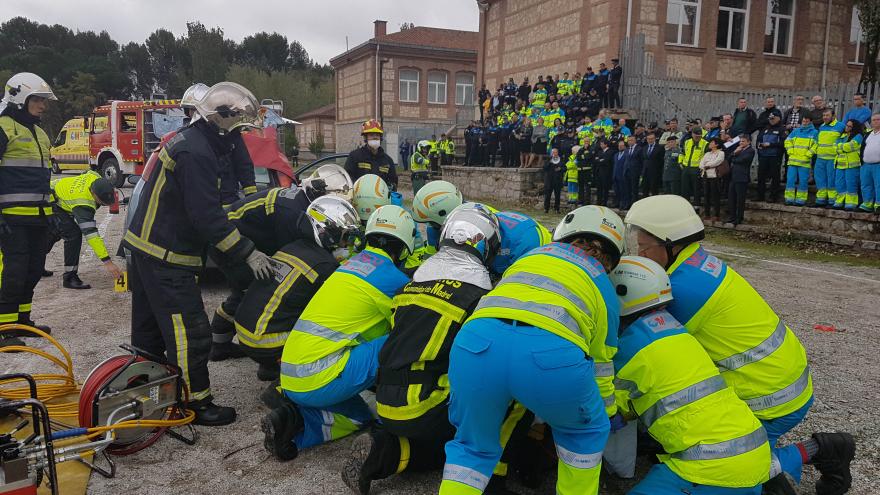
617	422
4	227
259	264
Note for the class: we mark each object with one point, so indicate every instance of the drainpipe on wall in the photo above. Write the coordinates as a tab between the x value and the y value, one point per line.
629	9
825	50
378	82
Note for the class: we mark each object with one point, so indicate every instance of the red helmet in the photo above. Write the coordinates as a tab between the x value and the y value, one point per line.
372	126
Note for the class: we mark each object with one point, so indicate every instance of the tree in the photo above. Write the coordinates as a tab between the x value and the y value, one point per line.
136	60
264	51
298	57
869	17
206	49
167	58
316	144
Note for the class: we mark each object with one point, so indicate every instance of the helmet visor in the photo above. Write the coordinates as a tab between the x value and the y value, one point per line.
639	242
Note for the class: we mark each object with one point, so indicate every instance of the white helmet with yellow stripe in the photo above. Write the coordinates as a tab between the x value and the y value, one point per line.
435	200
641	284
393	221
369	193
593	220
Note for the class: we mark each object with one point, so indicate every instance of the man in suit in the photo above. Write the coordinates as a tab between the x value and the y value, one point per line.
652	158
634	166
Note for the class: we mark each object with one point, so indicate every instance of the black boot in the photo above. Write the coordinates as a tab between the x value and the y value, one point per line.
836	452
226	350
72	281
7	340
353	471
210	414
778	485
271	396
47	273
268	372
279	427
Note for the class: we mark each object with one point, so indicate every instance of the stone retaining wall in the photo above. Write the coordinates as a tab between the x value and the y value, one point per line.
509	185
840	227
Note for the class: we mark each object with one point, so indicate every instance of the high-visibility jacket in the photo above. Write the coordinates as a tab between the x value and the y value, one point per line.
412	388
352	306
540	98
270	308
757	354
584	131
433	148
826	148
559	288
801	146
448	147
272	218
667	379
571	169
550	117
24	170
606	124
179	212
849	152
418	162
576	85
564	87
73	195
693	153
519	235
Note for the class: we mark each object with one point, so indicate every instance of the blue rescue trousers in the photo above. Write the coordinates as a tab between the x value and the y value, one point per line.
870	179
847	188
337	410
789	457
824	173
796	185
494	362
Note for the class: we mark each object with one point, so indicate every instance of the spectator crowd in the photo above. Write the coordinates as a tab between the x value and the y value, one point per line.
563	125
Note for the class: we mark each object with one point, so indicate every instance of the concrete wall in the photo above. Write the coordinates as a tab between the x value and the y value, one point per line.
840	227
508	185
311	127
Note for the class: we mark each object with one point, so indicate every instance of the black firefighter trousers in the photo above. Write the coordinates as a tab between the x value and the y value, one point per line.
22	256
168	318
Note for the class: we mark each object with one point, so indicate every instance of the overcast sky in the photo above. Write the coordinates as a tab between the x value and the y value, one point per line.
321	26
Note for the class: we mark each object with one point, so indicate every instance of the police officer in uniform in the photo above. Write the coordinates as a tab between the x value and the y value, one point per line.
24	198
371	158
177	218
76	201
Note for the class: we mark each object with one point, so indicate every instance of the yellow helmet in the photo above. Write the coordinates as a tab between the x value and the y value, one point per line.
372	126
368	194
435	200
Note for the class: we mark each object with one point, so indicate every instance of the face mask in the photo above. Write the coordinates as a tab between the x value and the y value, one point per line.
374	143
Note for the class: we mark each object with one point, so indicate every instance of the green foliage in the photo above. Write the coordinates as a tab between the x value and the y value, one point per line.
86	69
869	16
316	144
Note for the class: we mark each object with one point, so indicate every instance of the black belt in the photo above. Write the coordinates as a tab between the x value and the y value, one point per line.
405	378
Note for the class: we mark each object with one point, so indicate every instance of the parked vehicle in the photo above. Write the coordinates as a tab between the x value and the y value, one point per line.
70	150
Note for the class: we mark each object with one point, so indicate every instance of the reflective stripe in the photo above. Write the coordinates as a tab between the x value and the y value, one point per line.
204	394
775	465
757	353
567	255
229	241
556	313
683	397
17	197
158	252
580	461
720	450
781	396
609	401
629	386
266	340
306	370
603	369
182	347
465	475
71	268
27	210
22	162
88	225
542	282
312	328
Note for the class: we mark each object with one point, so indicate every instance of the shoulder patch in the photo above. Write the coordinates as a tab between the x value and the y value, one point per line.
661	321
712	265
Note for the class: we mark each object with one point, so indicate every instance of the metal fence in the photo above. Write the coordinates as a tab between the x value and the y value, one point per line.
657	92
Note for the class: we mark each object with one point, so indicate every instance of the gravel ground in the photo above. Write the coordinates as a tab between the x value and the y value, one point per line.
231	459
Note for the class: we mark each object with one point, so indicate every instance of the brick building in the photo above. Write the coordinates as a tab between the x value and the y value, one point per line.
320	121
724	44
418	82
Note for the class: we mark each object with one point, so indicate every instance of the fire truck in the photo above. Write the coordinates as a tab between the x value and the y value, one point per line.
133	130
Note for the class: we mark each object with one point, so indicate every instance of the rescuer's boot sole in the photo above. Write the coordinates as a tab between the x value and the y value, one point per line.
279	427
836	452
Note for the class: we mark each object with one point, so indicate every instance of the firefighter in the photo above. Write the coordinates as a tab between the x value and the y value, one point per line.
758	355
369	194
237	168
331	355
665	378
271	219
178	216
554	314
271	307
76	201
430	206
418	165
412	389
24	198
371	157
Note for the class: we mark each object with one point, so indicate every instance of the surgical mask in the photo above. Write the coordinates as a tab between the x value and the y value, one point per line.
374	143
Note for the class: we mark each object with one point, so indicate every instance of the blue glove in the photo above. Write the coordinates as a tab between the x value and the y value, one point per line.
433	235
617	422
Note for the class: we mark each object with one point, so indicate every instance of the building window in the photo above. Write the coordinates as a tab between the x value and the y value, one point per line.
464	89
733	24
437	87
409	85
682	22
779	28
857	38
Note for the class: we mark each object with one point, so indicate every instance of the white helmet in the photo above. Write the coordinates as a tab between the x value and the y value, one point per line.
24	85
229	106
335	222
423	144
668	217
435	200
396	222
593	220
193	94
474	226
330	179
641	284
368	194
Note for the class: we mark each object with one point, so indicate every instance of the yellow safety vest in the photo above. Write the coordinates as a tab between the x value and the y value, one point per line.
571	169
24	170
693	153
352	306
848	152
75	192
801	146
418	163
757	354
667	379
826	148
558	288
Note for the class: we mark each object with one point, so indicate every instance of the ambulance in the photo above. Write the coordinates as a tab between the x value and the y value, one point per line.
70	151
